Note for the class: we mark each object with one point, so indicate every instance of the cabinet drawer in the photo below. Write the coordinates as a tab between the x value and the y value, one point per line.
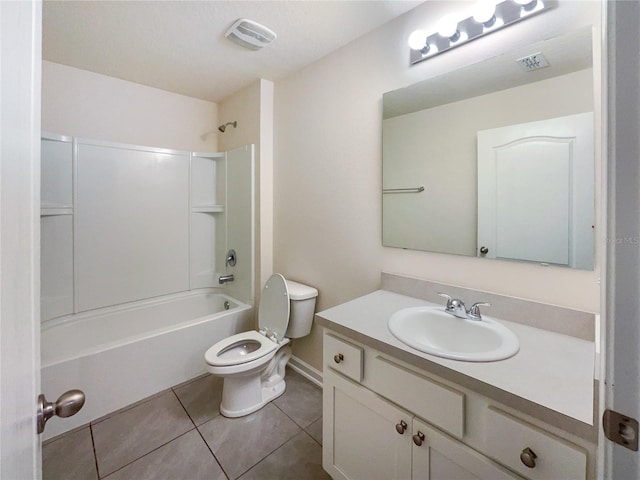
438	404
507	438
343	357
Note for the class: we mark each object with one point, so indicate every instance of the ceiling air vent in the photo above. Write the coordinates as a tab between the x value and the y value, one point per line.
250	34
532	62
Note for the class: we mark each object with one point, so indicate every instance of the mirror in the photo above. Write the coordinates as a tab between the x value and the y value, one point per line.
496	160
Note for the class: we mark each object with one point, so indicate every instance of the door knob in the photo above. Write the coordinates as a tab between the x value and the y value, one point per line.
67	405
484	250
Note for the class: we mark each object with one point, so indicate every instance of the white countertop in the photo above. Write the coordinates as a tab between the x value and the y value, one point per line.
553	370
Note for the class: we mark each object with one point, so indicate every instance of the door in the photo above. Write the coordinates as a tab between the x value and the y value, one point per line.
366	437
20	63
536	192
621	384
437	456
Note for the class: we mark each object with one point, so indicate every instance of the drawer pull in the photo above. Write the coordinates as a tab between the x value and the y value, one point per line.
418	438
338	358
401	427
528	457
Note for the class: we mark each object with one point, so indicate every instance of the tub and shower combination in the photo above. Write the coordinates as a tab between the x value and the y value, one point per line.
133	242
119	355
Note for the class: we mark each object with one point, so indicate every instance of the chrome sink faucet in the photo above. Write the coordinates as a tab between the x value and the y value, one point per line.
457	308
454	306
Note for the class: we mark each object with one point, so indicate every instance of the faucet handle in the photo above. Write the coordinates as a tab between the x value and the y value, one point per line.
448	297
474	311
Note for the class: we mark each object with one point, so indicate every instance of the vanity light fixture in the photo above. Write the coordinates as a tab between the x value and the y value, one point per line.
484	12
448	28
488	16
527	5
417	41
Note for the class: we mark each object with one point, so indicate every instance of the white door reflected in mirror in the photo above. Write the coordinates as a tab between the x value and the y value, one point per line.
536	192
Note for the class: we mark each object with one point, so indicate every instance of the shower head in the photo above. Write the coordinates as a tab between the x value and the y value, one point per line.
222	128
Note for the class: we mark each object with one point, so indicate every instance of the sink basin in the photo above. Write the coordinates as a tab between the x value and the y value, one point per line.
431	330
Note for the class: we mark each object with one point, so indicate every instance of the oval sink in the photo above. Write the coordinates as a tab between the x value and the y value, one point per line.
431	330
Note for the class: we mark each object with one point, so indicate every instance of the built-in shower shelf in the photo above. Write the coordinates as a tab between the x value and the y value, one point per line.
50	211
207	209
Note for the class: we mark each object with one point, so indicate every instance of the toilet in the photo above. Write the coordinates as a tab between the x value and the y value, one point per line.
253	363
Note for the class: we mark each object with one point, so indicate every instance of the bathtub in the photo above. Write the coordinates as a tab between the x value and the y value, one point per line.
119	355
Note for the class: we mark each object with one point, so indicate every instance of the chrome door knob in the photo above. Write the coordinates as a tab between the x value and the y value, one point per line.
528	457
67	405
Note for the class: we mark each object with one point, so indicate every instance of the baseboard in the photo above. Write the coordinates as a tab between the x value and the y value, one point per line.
307	371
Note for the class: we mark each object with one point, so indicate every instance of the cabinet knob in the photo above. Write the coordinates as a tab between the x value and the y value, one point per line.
528	457
401	427
418	438
338	358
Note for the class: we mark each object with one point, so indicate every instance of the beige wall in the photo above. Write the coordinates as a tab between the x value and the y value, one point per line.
327	170
85	104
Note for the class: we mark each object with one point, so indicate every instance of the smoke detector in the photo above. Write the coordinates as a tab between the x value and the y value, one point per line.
250	34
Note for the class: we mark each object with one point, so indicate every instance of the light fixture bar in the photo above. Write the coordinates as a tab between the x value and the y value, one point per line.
506	13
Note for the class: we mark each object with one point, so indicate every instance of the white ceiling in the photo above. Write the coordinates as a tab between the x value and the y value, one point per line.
179	46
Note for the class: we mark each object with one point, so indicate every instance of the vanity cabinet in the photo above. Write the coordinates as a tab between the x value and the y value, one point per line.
369	437
436	456
384	420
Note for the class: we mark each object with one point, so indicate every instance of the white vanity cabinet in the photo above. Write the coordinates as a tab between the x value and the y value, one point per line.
384	420
369	437
437	456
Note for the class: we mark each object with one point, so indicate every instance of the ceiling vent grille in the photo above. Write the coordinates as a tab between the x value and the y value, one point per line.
250	34
534	61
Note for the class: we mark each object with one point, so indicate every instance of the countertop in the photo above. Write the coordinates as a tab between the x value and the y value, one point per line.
552	370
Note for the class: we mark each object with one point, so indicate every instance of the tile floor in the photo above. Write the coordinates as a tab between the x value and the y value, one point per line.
180	434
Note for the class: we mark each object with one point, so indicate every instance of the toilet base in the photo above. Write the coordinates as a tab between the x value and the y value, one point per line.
242	395
267	394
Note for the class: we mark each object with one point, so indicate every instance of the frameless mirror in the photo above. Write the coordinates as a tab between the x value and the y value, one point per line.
496	160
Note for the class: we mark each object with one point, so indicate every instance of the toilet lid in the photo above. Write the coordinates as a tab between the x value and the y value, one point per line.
273	313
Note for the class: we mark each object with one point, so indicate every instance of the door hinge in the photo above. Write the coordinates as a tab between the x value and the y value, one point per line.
621	429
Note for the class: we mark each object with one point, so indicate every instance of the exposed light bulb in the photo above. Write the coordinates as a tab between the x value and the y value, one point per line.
484	12
417	40
527	5
448	27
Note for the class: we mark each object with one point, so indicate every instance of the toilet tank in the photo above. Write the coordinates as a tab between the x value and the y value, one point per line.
303	304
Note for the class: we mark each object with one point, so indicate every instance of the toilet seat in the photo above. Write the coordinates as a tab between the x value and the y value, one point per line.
228	352
273	319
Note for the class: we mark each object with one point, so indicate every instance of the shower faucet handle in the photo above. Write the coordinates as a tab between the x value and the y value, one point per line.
230	260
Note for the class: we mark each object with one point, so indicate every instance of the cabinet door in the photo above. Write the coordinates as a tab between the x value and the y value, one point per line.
440	457
362	433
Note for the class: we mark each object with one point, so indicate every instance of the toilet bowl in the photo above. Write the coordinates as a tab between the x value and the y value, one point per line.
252	364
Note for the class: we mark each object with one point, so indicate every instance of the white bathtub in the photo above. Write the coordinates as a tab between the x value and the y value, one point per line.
119	355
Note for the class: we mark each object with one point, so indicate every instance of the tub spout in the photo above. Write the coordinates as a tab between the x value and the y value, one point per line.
225	279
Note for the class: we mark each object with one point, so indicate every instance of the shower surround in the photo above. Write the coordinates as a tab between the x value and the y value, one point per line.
131	236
